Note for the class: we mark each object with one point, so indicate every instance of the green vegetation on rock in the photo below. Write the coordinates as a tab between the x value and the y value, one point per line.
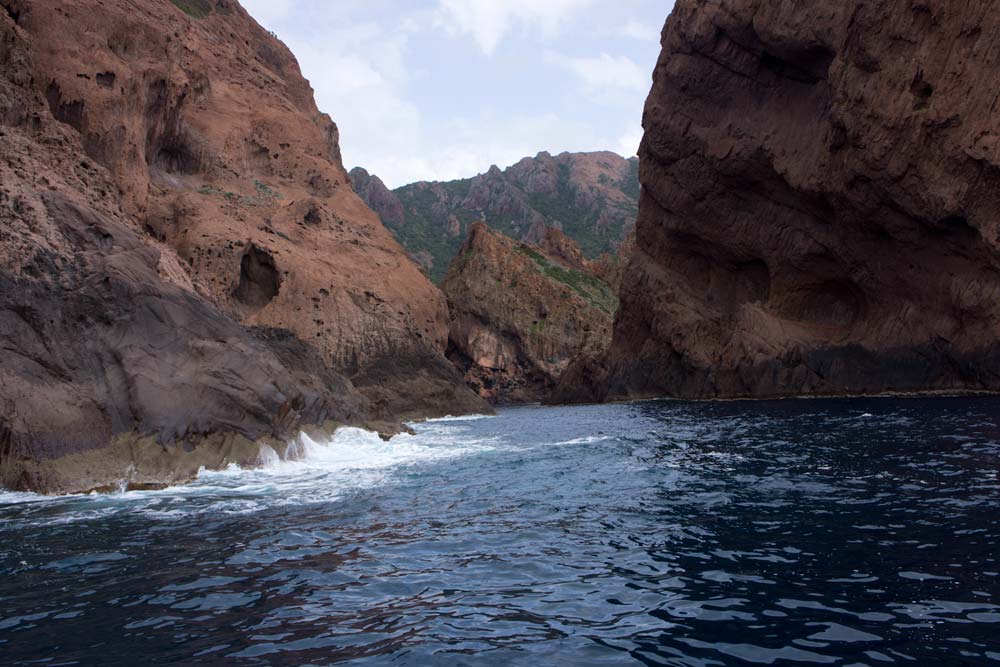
265	194
592	197
198	9
596	292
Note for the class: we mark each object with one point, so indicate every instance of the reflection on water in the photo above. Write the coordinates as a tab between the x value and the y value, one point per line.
850	532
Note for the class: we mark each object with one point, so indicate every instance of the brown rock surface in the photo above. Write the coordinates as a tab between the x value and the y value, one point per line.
821	188
520	314
185	269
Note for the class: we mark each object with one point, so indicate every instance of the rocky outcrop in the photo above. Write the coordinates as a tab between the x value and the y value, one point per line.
591	197
520	313
378	197
819	208
186	272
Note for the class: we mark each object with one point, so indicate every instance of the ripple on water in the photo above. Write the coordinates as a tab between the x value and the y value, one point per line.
829	532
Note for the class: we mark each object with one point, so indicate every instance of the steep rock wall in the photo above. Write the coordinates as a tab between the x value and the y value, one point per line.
819	214
186	273
521	313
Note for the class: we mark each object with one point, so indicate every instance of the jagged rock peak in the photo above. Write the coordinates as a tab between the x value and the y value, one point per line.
592	197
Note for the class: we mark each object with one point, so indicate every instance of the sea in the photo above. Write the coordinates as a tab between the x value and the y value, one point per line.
835	532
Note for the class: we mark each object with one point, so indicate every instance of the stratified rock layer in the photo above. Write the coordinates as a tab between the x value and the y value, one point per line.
821	188
186	272
520	313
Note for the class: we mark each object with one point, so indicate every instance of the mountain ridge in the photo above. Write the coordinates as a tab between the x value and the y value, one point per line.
592	197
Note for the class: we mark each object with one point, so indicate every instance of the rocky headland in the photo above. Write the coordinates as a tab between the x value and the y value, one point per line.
520	313
819	211
592	197
187	273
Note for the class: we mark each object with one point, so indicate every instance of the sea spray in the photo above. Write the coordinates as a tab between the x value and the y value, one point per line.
308	471
267	457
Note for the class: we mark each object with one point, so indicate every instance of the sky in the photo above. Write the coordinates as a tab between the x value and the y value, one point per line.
442	89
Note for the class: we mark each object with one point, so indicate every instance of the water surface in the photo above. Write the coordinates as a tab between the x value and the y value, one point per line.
847	532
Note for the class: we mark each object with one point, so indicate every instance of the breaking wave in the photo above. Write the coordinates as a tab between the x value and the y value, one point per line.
312	471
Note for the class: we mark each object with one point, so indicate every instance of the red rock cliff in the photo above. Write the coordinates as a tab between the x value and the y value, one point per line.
820	208
186	269
521	313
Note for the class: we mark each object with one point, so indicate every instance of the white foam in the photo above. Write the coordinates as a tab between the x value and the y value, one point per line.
461	418
586	440
18	497
267	457
351	459
311	471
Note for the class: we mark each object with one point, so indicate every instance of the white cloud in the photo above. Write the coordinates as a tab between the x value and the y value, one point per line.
605	72
628	143
476	143
488	21
364	99
268	12
640	31
375	72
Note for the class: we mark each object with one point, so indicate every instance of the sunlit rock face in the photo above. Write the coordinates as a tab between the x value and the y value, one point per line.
520	313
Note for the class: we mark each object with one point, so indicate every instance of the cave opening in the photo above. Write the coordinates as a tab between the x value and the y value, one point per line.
259	280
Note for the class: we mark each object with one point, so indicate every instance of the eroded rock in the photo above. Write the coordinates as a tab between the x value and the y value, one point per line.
819	206
164	304
520	313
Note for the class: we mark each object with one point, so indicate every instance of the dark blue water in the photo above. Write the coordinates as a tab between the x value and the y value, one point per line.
862	532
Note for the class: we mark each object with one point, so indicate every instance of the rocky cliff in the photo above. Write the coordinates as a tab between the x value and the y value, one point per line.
520	313
592	197
821	187
186	269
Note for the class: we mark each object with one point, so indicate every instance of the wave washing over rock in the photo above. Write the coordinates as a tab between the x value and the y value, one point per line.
186	269
307	470
821	184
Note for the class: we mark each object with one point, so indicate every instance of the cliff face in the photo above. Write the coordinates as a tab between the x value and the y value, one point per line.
819	208
186	270
520	313
592	197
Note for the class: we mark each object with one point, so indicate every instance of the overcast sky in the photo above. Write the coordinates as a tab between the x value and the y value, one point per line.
442	89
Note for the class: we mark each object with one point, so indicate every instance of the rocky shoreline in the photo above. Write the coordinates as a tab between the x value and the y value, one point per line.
187	273
191	278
